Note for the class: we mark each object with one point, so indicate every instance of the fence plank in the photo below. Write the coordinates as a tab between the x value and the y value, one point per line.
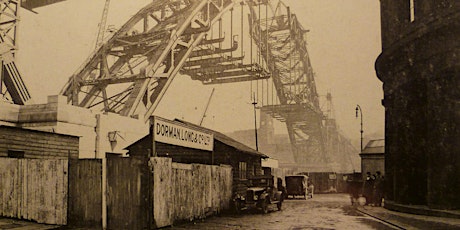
162	190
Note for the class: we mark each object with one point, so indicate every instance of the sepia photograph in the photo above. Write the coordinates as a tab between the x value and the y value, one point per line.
229	114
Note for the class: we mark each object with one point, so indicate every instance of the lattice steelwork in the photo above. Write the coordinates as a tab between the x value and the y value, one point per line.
280	37
12	86
131	72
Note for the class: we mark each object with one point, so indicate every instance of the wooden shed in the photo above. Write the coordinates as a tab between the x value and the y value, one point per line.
16	142
245	161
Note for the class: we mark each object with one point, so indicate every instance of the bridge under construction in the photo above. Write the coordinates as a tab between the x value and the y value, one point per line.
212	41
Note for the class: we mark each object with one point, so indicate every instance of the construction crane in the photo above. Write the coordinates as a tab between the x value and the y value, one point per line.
101	29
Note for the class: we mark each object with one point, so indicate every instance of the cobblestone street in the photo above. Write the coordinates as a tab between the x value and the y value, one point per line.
324	211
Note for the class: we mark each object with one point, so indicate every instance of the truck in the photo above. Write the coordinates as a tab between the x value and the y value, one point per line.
297	185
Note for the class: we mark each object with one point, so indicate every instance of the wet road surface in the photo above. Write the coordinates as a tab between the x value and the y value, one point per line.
322	212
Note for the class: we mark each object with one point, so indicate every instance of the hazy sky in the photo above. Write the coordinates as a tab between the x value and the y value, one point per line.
343	43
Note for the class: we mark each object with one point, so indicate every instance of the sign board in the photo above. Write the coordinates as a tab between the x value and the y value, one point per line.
176	133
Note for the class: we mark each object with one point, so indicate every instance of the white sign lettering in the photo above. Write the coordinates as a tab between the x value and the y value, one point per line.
175	133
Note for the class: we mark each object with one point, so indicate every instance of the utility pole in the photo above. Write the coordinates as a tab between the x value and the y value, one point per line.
362	131
254	103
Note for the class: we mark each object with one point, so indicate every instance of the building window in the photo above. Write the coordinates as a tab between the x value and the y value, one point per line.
243	170
15	154
412	10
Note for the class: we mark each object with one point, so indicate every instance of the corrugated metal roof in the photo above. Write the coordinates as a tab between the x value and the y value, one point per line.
374	146
225	139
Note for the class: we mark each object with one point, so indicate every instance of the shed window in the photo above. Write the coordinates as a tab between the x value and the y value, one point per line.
243	170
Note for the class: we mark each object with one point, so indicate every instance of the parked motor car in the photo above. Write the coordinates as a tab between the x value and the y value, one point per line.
297	185
354	188
261	194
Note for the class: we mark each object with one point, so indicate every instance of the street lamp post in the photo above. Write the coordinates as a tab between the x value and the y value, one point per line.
361	115
254	103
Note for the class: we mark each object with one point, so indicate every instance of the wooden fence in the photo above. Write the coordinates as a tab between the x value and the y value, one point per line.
34	189
139	193
188	191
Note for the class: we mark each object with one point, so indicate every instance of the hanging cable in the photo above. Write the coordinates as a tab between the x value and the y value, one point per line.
290	67
242	31
273	89
251	32
266	40
231	32
260	40
259	47
220	32
268	90
266	47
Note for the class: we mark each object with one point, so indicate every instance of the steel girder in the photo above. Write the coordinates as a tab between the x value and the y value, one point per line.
12	86
283	47
131	72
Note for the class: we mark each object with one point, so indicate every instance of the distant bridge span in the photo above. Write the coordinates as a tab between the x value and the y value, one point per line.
131	72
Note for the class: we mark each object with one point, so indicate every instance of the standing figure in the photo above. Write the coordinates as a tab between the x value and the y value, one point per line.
368	186
378	189
311	188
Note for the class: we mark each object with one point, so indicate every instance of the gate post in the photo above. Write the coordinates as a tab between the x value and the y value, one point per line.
104	193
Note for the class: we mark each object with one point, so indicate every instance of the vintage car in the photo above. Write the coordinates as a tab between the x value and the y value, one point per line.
260	194
297	185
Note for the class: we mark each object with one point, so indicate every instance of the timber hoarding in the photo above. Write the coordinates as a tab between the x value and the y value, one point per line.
176	133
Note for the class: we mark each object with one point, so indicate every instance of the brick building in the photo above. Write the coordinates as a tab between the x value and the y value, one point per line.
419	67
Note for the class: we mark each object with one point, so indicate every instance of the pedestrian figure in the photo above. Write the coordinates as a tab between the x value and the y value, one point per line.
368	187
378	189
311	188
281	188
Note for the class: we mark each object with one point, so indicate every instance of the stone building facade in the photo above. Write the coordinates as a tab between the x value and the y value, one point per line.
419	66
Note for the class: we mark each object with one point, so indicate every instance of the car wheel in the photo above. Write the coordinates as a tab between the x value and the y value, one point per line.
278	205
265	207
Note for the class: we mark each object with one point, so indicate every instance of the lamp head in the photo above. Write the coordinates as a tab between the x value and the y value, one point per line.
356	111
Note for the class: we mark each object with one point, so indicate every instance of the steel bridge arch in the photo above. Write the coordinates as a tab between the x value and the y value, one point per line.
130	73
148	60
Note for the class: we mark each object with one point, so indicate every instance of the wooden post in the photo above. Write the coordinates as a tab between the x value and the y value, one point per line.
152	134
104	193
